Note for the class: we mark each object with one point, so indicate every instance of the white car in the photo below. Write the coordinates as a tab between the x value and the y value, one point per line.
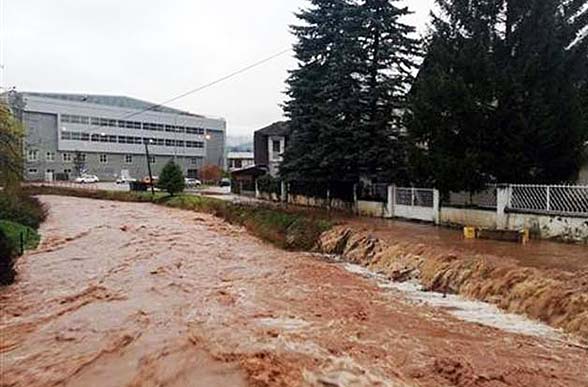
125	180
192	183
87	179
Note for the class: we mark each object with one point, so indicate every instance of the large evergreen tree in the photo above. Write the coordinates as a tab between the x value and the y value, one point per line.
354	66
388	61
499	95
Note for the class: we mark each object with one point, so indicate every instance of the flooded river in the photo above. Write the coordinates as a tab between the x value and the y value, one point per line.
124	294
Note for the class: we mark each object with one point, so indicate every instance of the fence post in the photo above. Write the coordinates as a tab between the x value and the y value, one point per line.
503	198
257	193
391	200
413	190
548	198
284	189
355	202
436	206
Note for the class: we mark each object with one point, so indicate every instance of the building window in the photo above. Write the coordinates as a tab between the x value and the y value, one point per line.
152	159
81	158
277	146
52	171
238	164
103	159
67	171
33	171
129	159
66	157
32	155
195	160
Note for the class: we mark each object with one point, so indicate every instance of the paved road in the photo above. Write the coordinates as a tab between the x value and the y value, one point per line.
127	294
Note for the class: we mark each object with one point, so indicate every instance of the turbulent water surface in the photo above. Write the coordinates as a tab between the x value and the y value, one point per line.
123	294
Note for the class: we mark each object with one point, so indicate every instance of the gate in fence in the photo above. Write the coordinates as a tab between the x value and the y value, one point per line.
415	203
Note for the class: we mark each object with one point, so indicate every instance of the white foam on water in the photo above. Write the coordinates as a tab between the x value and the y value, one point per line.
460	307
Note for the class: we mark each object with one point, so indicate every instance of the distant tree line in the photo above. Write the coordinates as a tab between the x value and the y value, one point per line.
501	93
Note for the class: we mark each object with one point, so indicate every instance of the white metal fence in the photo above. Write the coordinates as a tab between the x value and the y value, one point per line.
415	197
549	199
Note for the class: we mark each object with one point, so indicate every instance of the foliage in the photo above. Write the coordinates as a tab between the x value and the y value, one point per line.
172	179
210	173
21	208
269	184
11	160
498	98
13	232
354	68
7	254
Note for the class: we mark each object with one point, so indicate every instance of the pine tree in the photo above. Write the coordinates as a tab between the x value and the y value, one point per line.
388	61
452	100
323	94
172	179
355	64
499	95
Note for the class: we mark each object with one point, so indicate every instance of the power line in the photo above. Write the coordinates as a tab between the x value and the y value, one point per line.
206	86
198	89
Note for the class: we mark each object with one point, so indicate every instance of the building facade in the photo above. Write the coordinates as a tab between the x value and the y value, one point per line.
69	134
240	160
269	146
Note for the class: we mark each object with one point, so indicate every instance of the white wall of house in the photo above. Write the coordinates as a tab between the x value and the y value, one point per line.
276	147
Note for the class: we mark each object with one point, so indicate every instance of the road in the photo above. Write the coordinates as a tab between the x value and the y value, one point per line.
127	294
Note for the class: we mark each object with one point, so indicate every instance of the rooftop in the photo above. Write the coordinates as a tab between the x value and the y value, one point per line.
110	100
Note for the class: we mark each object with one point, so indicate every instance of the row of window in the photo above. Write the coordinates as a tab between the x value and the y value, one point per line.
79	136
107	122
33	156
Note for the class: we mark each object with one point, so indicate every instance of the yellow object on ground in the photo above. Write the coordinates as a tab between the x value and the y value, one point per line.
525	236
469	232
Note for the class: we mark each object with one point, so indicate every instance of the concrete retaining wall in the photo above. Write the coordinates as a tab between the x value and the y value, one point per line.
373	209
549	227
468	217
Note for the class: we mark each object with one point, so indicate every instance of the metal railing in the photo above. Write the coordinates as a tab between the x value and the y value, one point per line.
550	199
415	197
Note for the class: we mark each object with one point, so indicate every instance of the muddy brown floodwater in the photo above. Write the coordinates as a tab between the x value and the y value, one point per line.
123	294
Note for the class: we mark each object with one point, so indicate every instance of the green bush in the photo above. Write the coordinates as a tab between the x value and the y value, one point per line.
22	208
269	184
14	231
171	179
7	254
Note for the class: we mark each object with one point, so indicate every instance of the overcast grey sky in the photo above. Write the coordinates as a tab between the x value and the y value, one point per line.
155	50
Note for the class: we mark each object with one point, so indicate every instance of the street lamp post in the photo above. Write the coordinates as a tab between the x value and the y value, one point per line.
149	166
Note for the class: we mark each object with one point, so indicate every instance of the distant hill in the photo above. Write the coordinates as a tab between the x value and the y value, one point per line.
239	144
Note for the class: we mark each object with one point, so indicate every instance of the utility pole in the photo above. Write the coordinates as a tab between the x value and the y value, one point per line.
149	167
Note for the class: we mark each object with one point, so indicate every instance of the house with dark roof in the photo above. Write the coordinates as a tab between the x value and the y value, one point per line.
269	145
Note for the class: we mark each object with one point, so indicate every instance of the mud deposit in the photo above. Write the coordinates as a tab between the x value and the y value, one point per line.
123	294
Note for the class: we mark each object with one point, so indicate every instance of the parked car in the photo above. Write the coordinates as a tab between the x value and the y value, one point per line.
147	180
125	180
225	182
192	183
87	179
